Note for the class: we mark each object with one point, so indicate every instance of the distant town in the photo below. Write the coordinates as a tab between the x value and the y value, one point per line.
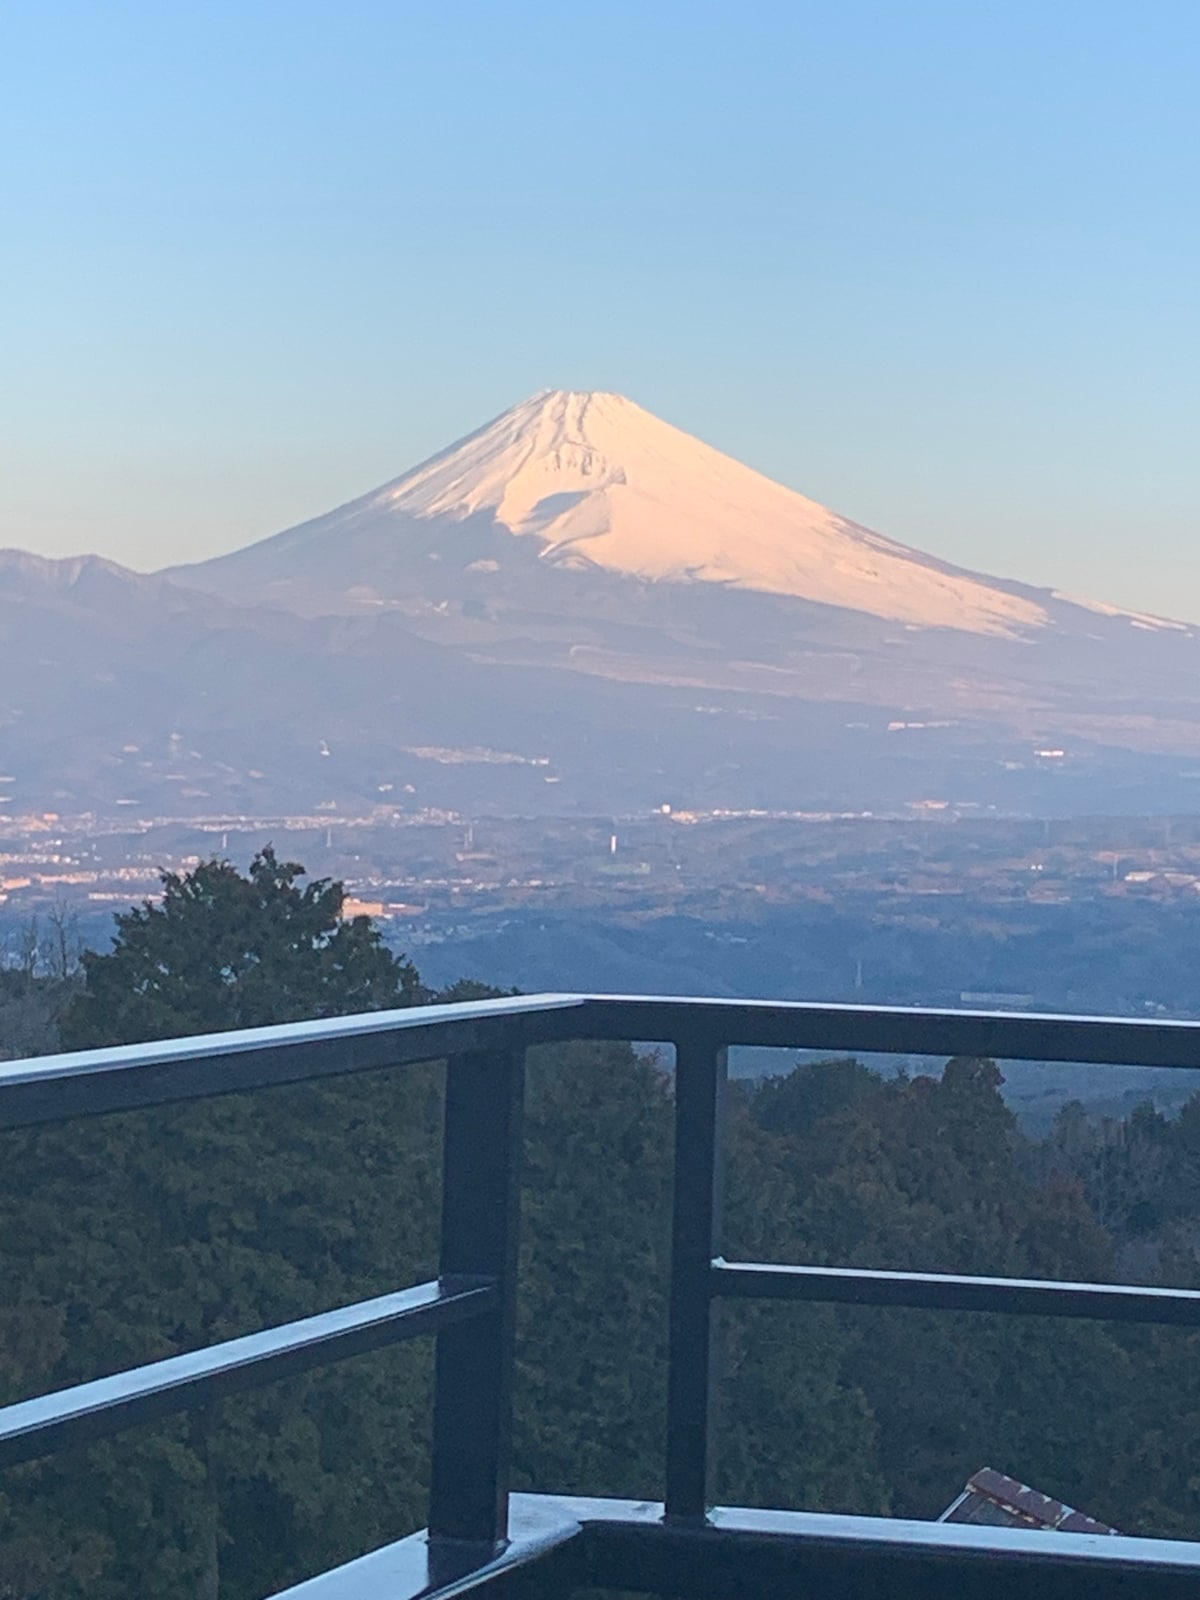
461	892
399	865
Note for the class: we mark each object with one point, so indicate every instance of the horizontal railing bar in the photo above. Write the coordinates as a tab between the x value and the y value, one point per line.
563	1541
737	1551
61	1421
126	1077
935	1291
803	1025
94	1082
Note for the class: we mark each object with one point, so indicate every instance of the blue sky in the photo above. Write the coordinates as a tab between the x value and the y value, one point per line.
934	264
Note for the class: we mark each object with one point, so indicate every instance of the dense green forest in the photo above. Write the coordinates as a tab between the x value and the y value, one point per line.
131	1237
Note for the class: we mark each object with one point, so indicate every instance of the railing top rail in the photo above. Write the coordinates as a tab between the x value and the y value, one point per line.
909	1030
91	1082
125	1077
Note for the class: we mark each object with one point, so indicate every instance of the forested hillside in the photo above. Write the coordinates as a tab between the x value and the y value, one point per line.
132	1237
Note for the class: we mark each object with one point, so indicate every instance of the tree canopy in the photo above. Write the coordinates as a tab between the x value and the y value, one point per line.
225	950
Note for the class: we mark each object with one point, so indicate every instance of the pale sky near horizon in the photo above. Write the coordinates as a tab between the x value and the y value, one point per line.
934	264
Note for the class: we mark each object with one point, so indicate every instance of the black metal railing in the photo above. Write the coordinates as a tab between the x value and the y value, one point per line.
480	1536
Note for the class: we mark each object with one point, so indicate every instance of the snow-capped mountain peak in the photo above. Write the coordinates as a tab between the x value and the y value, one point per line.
583	481
600	482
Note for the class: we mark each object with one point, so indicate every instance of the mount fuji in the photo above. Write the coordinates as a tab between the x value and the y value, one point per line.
580	608
588	483
579	534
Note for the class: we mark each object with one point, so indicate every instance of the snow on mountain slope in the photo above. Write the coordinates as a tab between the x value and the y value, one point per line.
594	481
600	482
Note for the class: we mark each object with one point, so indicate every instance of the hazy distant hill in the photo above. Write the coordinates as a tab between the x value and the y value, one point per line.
127	691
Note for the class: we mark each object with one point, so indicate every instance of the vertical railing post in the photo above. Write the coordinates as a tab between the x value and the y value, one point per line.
700	1075
472	1409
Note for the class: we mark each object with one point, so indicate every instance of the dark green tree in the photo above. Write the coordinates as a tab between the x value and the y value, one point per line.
226	951
158	1232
